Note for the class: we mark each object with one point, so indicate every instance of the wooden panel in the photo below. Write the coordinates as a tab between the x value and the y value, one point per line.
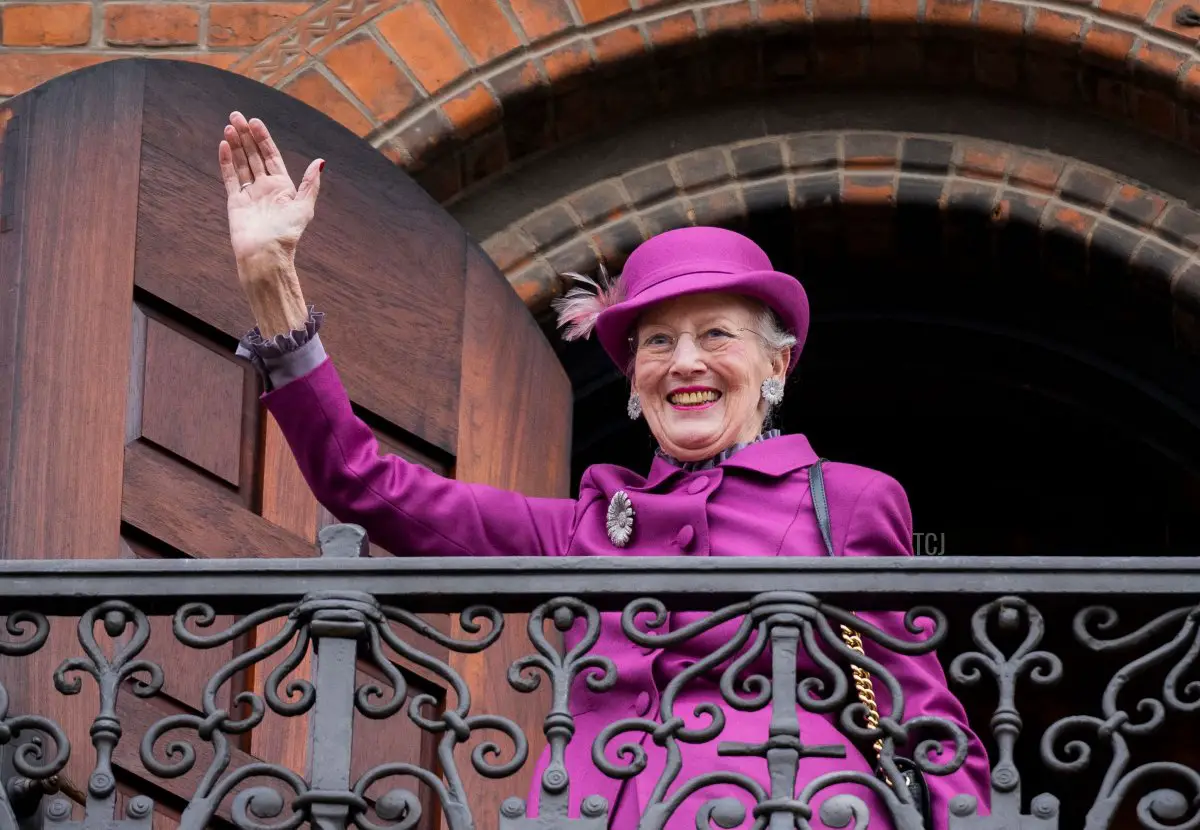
515	398
192	401
12	162
196	516
8	197
381	258
514	432
286	500
72	369
137	374
74	220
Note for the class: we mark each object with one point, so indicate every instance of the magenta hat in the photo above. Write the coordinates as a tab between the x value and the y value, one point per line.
683	261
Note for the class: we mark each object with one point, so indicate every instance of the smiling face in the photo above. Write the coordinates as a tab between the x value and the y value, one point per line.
699	366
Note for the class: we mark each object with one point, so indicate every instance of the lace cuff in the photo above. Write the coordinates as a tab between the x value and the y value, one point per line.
285	357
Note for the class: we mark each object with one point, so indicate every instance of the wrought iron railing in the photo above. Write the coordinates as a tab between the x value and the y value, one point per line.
1081	674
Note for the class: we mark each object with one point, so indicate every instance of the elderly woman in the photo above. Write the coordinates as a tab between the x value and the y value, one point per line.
707	333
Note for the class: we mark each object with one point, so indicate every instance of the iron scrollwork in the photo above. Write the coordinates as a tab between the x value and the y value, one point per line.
562	668
778	656
217	723
35	770
401	807
333	624
1043	668
783	622
1166	808
108	673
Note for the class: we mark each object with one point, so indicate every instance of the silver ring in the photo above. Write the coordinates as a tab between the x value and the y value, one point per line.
243	187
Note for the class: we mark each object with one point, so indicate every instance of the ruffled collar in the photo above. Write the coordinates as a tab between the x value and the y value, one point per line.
708	463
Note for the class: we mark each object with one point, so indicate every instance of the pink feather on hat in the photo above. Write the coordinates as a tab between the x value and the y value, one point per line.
579	307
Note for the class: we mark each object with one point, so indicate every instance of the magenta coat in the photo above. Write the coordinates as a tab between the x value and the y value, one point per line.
756	503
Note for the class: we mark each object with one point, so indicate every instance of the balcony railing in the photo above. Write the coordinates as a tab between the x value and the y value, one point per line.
1080	674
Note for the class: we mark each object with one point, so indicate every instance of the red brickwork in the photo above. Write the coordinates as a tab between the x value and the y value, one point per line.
38	24
453	63
40	39
247	24
1116	225
459	90
151	24
423	78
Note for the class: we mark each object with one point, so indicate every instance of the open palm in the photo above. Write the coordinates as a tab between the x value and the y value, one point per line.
267	212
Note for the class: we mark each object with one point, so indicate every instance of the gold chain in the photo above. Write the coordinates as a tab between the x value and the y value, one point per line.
863	683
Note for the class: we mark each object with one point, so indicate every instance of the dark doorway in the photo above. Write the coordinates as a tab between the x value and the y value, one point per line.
1030	399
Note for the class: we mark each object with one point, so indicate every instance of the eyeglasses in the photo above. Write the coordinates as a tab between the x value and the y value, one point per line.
663	344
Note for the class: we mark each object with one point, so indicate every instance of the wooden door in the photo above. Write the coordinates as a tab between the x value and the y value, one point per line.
127	428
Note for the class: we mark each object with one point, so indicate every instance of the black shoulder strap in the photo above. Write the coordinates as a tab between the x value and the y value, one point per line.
816	483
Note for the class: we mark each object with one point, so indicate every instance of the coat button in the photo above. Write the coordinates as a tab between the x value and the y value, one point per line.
684	537
643	703
698	485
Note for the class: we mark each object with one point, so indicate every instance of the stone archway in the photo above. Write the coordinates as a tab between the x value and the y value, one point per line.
1115	221
960	285
602	74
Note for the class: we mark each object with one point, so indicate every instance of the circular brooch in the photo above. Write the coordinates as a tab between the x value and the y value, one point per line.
620	519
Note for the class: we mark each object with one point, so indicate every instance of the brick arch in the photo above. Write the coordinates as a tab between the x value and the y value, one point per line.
1116	228
693	50
459	90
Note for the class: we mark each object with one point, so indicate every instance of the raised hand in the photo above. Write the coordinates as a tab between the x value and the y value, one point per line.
266	211
267	216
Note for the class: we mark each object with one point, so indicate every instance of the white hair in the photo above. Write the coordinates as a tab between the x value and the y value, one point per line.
776	338
771	328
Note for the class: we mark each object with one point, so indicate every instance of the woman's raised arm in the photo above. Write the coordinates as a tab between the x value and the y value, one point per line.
267	216
405	508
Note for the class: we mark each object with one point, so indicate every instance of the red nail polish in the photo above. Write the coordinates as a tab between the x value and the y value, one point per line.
321	167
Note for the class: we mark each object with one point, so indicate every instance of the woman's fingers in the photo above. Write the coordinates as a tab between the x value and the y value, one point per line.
240	164
272	158
228	171
253	157
310	185
248	152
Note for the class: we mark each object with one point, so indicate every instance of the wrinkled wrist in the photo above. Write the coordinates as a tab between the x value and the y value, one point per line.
269	264
278	307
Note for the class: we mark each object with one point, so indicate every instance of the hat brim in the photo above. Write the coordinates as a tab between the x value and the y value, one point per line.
780	292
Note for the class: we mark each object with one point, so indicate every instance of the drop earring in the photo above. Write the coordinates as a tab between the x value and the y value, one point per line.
634	408
772	391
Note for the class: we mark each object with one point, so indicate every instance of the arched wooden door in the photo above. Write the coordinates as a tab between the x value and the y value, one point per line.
127	428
